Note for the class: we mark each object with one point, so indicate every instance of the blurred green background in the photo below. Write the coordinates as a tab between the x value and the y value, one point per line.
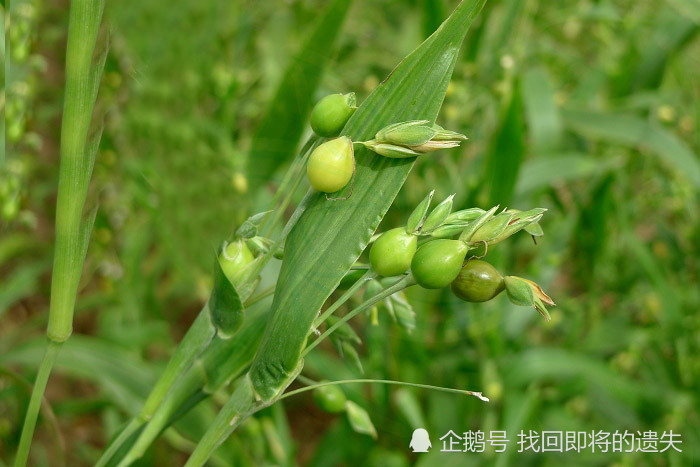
588	108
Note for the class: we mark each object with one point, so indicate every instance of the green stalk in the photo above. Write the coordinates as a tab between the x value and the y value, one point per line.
369	275
398	286
242	402
315	385
42	378
295	173
77	158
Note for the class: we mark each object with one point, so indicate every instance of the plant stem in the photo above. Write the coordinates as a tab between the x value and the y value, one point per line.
42	377
369	275
261	295
401	284
240	406
313	386
293	173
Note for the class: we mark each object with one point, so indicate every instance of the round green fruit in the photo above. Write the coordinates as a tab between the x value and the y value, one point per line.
330	398
392	252
436	264
478	281
331	113
331	165
234	258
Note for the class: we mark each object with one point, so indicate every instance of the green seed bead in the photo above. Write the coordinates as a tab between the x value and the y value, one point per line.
392	252
330	114
234	259
330	398
478	281
438	263
331	165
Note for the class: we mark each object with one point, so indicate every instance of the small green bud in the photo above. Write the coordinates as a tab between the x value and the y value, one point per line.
436	264
331	113
260	245
344	332
478	281
438	215
234	257
403	311
492	229
330	398
412	138
413	133
475	225
249	228
359	419
447	231
392	252
446	135
534	229
524	292
521	220
350	355
464	215
417	217
331	165
350	278
391	150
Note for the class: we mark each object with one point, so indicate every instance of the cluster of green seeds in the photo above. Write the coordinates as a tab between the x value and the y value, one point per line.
332	164
441	262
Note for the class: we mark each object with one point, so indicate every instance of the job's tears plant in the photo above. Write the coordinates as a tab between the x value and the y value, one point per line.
321	242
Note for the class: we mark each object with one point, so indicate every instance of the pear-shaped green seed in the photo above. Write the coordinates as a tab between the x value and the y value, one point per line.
478	281
436	264
235	257
330	114
330	398
331	165
392	252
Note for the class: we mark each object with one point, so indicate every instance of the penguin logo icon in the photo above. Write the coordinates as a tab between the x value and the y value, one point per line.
420	441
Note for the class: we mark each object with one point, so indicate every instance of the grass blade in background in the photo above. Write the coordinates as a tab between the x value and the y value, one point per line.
541	111
632	131
506	152
277	136
537	174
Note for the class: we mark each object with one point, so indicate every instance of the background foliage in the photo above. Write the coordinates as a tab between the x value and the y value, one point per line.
591	109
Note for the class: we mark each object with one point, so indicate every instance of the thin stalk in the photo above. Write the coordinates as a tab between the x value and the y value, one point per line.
240	406
42	378
401	284
313	386
279	211
344	298
293	173
261	295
